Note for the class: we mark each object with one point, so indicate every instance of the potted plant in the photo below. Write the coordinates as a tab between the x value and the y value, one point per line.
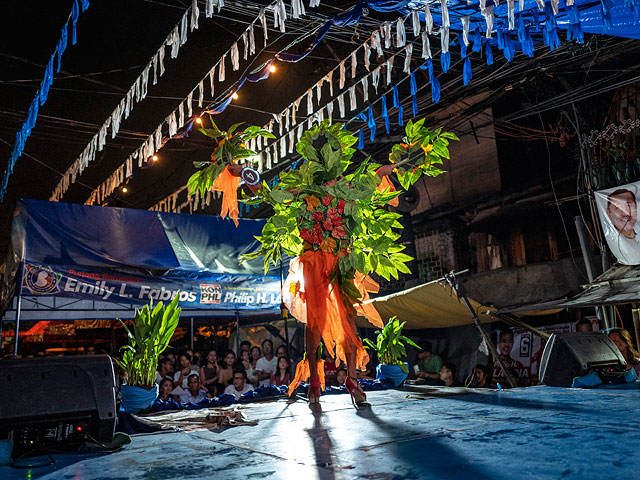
390	347
149	336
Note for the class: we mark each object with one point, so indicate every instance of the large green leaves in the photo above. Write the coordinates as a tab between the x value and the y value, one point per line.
390	343
231	146
149	336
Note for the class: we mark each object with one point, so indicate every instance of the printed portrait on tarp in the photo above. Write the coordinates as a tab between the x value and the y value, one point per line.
618	210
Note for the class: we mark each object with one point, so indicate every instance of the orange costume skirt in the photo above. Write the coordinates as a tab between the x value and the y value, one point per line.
313	299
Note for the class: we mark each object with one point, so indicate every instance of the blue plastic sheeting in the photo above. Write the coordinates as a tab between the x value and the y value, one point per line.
625	16
134	256
71	234
429	433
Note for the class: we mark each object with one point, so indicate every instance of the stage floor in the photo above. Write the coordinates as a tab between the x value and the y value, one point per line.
428	432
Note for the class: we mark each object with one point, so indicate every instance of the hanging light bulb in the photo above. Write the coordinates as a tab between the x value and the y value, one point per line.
272	68
125	189
155	158
199	121
234	96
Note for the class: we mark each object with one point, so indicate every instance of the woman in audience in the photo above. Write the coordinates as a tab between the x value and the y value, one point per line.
225	374
281	375
622	339
256	353
341	376
245	358
166	387
209	372
281	351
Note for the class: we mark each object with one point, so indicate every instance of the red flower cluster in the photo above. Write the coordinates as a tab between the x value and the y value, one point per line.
332	224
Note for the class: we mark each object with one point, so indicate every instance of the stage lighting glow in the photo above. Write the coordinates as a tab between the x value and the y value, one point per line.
199	121
125	189
155	158
234	96
272	68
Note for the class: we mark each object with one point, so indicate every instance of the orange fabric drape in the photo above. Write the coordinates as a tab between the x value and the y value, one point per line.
228	185
314	300
386	183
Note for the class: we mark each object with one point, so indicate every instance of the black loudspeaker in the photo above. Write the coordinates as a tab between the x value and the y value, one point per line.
573	355
57	402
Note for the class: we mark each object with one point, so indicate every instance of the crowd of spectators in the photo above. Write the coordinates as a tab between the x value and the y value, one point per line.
191	377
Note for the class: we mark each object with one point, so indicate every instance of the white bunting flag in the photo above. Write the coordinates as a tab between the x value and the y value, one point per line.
401	36
415	23
407	59
428	19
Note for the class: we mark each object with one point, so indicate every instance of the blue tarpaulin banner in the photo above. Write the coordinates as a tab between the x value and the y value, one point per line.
135	256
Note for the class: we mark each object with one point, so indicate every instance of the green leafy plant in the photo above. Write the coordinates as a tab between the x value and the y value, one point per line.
149	336
322	207
389	344
231	147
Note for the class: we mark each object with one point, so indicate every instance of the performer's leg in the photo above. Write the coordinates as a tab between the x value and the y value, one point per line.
358	397
313	342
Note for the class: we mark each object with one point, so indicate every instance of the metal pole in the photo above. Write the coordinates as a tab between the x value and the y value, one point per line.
238	333
191	337
589	262
15	347
461	294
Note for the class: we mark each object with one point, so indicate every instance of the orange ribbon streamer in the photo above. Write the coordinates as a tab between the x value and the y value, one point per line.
228	185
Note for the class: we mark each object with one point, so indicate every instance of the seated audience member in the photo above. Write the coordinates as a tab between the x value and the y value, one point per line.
90	350
481	374
448	375
164	370
238	385
622	339
197	359
256	353
281	376
194	392
330	370
429	365
225	375
341	376
186	369
584	326
267	364
245	345
165	389
281	351
245	359
209	372
172	358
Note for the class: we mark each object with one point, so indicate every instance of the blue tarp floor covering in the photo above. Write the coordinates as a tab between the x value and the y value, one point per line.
426	432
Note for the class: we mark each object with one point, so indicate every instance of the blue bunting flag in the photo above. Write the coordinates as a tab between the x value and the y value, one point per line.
467	75
445	61
488	53
385	113
477	41
75	11
524	37
575	29
62	46
360	139
372	124
414	90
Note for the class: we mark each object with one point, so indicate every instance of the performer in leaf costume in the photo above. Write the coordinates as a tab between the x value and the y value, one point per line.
331	219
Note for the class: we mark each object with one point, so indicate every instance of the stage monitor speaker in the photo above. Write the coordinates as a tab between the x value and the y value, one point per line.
57	402
571	355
